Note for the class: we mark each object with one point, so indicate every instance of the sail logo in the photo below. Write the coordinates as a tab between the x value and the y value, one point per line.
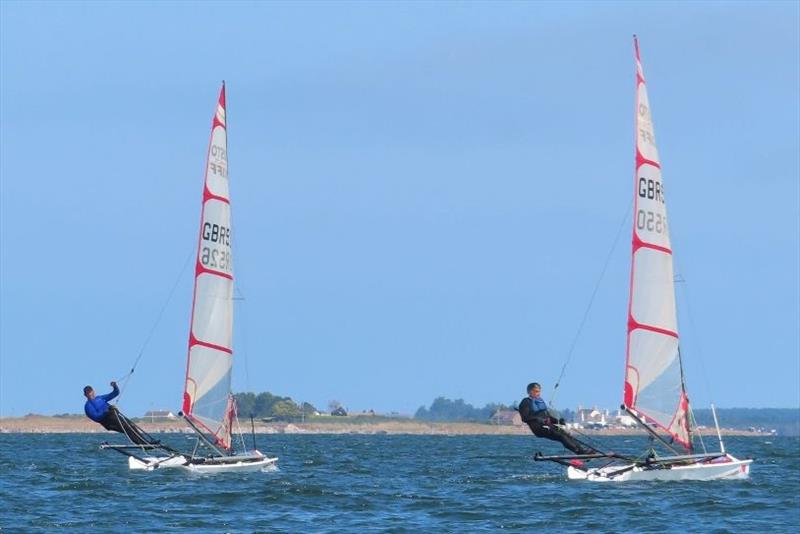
646	125
219	153
219	170
647	136
219	166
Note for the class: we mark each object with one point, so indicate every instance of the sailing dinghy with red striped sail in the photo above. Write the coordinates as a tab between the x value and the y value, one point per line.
208	403
654	388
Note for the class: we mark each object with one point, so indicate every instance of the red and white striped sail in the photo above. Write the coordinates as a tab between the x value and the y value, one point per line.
654	386
207	398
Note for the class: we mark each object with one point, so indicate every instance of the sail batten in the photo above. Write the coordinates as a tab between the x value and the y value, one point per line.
654	387
207	398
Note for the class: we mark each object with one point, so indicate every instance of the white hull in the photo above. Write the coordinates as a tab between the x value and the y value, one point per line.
155	462
725	468
246	464
251	462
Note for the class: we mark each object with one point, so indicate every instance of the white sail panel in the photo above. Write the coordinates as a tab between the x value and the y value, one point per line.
651	354
653	294
659	393
212	321
209	387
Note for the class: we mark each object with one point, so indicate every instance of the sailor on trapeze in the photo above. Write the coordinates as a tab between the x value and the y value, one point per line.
100	411
543	424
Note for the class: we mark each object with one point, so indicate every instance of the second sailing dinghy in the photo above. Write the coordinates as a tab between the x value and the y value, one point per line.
654	393
209	407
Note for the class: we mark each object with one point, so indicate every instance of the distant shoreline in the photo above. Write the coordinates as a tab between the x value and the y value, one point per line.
41	424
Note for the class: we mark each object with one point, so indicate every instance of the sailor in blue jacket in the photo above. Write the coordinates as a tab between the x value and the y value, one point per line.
100	411
533	410
97	406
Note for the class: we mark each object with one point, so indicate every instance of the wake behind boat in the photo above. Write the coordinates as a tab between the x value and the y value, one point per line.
209	407
654	392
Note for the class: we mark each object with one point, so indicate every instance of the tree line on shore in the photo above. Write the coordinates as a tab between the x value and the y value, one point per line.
266	404
444	409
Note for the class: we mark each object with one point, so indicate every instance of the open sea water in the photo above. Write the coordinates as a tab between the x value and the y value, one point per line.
383	483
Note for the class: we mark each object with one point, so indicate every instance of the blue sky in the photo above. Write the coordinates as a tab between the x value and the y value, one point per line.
424	195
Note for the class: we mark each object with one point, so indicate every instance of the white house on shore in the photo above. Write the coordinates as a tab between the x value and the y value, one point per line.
506	417
591	417
584	418
623	419
596	418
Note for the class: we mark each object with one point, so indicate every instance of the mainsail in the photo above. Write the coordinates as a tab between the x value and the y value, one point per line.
207	399
654	386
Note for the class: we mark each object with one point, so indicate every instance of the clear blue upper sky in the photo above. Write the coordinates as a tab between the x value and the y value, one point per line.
424	195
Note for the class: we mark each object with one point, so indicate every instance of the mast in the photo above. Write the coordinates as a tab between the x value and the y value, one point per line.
207	399
716	425
689	415
654	386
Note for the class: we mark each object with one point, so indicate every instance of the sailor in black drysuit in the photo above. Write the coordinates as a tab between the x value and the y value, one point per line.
100	411
533	411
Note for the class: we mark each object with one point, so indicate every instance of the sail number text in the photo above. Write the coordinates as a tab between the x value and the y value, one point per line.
652	222
217	234
651	189
211	256
215	258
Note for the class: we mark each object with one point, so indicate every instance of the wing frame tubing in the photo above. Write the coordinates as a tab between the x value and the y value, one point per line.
202	436
538	457
151	446
647	427
121	450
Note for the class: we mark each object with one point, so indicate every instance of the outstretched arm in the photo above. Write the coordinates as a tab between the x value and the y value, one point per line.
108	396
